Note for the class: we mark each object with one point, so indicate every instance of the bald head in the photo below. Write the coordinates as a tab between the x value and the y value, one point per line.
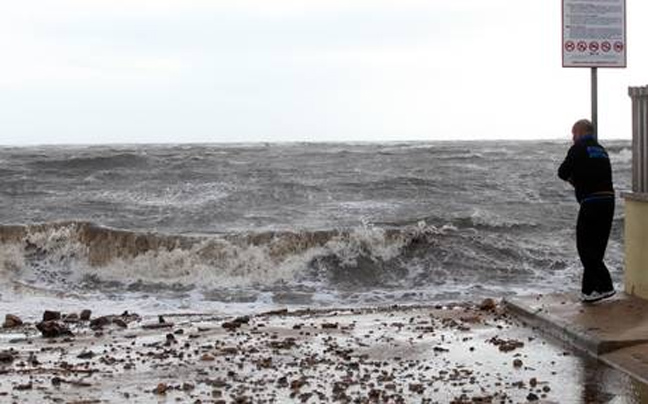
582	128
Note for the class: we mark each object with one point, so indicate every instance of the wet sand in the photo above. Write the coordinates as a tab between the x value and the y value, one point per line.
458	353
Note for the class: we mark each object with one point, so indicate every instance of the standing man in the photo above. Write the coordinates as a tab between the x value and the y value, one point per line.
587	168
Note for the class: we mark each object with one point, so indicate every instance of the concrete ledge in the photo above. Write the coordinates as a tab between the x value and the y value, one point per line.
635	196
598	329
632	360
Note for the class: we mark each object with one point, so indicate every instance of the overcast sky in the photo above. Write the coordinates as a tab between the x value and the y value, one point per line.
126	71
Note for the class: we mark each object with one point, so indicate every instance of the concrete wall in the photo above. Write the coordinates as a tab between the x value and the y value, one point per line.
636	244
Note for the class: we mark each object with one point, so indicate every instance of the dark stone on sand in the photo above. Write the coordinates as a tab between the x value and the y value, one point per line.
6	357
231	325
86	355
532	397
236	323
21	387
517	363
487	305
160	389
53	329
506	345
49	315
85	315
329	326
157	326
285	344
12	321
56	381
99	322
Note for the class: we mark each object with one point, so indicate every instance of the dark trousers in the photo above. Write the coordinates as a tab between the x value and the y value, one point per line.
592	233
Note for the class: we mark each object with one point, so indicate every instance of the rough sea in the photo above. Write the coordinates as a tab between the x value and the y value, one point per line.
234	228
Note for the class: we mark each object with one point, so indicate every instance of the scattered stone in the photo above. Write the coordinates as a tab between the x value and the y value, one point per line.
22	387
6	357
99	322
532	397
161	389
207	357
506	345
53	329
85	315
231	325
236	323
487	305
329	326
157	326
287	343
517	363
417	388
49	315
12	321
86	355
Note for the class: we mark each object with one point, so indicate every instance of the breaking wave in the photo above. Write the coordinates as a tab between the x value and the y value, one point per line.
85	257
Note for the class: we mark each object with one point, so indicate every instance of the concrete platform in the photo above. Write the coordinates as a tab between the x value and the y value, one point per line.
614	331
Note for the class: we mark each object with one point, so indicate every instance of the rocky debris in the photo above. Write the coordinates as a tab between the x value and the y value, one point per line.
86	355
7	357
157	326
236	323
23	387
287	343
53	329
12	321
517	363
391	355
487	305
161	388
49	315
506	345
100	322
85	315
121	321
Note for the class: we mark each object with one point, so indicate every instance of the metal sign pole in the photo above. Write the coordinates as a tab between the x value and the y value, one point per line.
595	101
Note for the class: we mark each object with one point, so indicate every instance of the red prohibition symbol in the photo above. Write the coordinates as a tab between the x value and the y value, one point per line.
582	46
594	46
606	46
618	46
570	46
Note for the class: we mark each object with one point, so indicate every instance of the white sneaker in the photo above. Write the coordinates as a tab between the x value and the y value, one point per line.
597	296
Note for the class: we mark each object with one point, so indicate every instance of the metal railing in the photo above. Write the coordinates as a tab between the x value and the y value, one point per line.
639	97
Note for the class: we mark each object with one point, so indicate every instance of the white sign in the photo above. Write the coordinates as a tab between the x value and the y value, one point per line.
594	33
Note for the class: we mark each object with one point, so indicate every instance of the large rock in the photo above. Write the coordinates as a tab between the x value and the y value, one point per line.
53	329
12	321
49	315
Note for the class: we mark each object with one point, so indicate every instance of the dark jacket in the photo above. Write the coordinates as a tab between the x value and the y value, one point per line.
587	168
